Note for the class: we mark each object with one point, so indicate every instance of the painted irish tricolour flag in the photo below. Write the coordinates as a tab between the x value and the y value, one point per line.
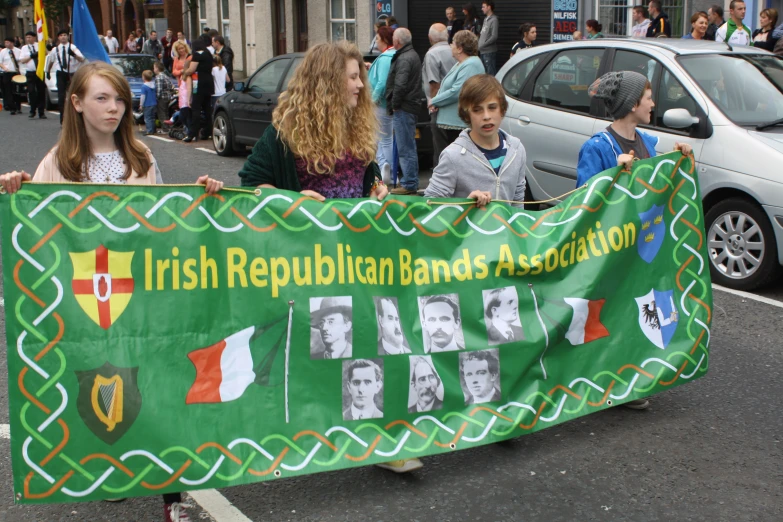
586	323
225	369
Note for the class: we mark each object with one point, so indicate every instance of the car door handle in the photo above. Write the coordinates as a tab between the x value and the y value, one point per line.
523	120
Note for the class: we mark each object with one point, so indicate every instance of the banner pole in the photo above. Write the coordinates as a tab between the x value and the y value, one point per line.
288	354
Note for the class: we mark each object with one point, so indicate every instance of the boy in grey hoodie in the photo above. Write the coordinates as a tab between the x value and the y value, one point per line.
483	163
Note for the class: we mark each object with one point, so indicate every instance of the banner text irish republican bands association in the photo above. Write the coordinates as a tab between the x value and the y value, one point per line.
176	270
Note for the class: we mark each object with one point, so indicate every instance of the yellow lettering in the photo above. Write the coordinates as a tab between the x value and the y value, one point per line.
481	266
581	251
437	264
563	250
175	269
630	234
387	271
278	280
208	263
523	264
505	261
237	259
308	278
616	238
406	274
536	262
551	259
359	275
463	270
320	262
259	269
188	268
371	273
148	269
163	265
421	276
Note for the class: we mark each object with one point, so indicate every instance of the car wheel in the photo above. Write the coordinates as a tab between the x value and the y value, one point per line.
221	135
741	244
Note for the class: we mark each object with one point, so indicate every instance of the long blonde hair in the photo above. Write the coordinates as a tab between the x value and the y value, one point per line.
313	117
74	148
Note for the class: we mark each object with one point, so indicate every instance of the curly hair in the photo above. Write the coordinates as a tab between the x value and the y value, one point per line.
313	118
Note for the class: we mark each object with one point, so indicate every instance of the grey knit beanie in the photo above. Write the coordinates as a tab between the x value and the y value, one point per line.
620	91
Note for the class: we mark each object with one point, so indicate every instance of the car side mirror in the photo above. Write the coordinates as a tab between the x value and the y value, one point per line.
679	119
239	86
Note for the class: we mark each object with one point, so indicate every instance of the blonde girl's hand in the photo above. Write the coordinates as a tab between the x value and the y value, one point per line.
313	194
626	160
685	148
12	181
482	198
380	192
211	185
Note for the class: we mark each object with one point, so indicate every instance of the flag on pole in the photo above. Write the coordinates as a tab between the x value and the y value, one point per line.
85	36
42	31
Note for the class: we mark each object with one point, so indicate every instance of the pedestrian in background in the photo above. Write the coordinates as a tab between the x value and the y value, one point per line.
163	91
641	22
377	76
374	43
140	40
112	43
403	97
763	36
453	24
715	16
220	78
698	26
594	30
445	104
36	88
734	32
226	55
167	42
9	64
152	46
488	40
181	54
130	44
437	63
148	101
184	93
527	37
659	25
203	87
471	23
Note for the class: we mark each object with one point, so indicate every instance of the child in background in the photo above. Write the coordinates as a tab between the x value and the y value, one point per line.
163	91
220	77
148	102
185	92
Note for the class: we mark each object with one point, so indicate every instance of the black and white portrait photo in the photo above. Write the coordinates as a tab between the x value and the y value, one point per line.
426	391
441	323
331	328
391	338
479	374
363	389
501	314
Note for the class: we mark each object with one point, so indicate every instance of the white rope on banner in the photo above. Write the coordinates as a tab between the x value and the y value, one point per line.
288	354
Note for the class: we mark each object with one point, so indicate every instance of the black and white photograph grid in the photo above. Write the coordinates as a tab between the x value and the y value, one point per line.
391	334
363	389
441	323
501	315
426	387
479	376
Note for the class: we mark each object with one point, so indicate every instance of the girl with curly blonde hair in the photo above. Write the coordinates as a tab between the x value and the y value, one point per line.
322	138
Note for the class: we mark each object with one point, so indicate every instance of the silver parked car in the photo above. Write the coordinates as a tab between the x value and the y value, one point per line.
727	103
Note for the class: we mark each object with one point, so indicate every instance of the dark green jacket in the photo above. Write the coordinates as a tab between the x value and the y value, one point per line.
273	163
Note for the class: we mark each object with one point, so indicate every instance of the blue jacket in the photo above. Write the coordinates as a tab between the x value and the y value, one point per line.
448	95
600	153
379	71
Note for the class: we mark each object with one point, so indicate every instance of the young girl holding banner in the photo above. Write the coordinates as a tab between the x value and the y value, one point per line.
97	145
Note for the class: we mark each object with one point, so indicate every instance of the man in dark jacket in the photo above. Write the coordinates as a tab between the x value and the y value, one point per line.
715	16
404	98
660	24
227	56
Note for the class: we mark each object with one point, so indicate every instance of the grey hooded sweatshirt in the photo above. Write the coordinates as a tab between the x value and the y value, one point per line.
463	168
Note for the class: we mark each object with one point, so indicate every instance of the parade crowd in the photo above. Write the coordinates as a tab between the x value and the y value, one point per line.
339	140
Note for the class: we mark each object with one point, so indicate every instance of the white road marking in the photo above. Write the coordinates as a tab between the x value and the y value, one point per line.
161	138
206	150
218	506
2	302
5	431
748	295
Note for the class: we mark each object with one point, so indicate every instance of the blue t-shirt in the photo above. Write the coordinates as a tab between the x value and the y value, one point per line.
150	100
496	156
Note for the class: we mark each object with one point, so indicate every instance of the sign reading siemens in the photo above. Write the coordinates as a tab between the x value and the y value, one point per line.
565	16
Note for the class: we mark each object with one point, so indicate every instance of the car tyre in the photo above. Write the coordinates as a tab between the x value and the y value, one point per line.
741	245
222	138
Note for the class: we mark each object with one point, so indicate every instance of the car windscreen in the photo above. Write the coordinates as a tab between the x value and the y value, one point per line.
748	88
133	66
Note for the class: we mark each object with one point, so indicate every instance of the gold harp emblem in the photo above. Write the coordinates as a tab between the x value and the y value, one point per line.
107	400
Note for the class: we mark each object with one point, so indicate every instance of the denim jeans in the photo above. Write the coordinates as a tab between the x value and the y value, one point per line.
405	135
149	118
385	138
490	61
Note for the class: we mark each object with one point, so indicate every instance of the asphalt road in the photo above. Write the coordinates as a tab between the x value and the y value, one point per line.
709	450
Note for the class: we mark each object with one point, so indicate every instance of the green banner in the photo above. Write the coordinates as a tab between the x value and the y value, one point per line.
163	340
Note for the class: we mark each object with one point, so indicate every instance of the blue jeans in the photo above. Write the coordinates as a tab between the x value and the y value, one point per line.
385	138
405	135
490	61
149	118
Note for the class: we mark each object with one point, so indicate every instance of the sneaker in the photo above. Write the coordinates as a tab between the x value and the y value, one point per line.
402	191
168	122
190	139
42	117
32	115
638	404
402	466
175	512
13	113
386	174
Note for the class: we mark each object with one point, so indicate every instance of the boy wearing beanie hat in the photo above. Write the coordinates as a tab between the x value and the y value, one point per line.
628	98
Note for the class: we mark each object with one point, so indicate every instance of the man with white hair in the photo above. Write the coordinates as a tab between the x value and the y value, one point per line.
437	63
403	97
111	43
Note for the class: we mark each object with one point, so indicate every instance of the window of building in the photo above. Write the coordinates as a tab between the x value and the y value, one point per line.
343	20
202	14
226	31
616	16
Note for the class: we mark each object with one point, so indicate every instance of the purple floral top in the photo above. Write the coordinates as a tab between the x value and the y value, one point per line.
346	182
